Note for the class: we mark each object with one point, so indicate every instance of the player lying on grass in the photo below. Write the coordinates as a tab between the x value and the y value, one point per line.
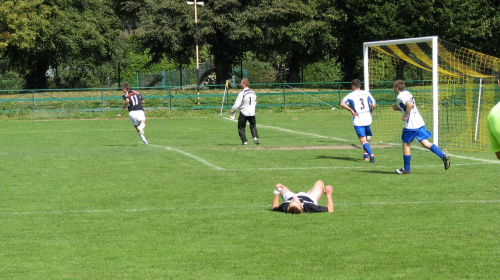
298	203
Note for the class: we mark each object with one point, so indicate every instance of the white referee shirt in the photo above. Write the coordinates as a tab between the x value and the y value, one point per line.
360	101
246	102
415	120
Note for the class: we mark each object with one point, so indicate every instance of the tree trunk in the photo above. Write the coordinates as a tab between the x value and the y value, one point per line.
293	70
36	78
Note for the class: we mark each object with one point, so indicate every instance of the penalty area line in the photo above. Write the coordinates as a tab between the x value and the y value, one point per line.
189	155
296	132
345	140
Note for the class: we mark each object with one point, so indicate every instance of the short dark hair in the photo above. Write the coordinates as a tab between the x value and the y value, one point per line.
245	81
356	83
399	84
126	86
294	209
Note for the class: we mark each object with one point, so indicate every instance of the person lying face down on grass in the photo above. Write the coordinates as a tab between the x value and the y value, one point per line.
298	203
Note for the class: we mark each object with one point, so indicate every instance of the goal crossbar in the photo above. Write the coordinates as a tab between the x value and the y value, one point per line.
435	73
450	81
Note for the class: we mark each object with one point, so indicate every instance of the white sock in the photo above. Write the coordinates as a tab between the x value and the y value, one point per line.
143	138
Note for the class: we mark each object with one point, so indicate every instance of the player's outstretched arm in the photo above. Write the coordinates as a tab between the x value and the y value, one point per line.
329	199
278	190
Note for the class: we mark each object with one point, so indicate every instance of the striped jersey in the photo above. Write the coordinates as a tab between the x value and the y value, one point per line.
246	102
360	101
134	100
415	120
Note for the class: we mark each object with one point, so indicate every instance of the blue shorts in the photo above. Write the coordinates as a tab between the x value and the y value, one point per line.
410	134
363	131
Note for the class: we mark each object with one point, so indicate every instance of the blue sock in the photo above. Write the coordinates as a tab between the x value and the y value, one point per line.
366	147
435	149
406	160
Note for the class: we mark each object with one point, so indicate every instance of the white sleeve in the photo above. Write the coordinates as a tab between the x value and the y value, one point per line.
237	103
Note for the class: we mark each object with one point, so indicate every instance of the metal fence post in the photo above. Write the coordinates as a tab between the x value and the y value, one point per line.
284	97
33	100
169	98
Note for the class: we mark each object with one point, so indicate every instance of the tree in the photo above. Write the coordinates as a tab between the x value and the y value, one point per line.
470	23
20	21
294	33
165	31
81	35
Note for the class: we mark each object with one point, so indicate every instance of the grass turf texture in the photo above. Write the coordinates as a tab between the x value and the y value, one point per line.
84	199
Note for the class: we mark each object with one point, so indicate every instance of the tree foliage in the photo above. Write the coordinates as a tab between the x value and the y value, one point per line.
469	23
82	42
80	36
292	34
20	22
222	27
165	30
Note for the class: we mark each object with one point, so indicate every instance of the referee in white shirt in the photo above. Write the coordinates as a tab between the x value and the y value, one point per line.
246	101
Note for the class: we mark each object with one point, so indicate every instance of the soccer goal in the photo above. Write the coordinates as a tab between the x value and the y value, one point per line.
454	89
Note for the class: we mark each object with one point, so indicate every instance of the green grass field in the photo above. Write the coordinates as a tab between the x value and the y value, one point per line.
85	199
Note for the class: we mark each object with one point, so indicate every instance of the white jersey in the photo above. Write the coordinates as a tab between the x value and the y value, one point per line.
246	102
360	101
415	120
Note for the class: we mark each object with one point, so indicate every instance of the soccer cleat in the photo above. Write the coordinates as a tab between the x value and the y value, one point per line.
402	171
256	141
446	161
366	157
145	142
244	143
372	158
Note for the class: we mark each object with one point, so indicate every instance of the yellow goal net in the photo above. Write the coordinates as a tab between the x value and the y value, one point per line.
454	88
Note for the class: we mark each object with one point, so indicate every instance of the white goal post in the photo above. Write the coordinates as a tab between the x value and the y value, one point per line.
435	73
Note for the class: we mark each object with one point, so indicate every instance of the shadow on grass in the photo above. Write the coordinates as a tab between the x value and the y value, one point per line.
338	158
380	172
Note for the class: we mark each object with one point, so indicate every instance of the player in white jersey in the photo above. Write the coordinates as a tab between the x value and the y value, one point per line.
414	127
246	102
361	104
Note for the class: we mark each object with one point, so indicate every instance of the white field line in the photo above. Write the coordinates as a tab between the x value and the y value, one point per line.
190	155
345	140
205	162
347	167
297	132
177	209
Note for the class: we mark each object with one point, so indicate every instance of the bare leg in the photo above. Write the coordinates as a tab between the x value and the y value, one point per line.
284	188
425	143
317	190
407	149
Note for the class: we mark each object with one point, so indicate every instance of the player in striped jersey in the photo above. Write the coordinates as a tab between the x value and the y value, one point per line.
133	102
414	127
361	104
246	102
